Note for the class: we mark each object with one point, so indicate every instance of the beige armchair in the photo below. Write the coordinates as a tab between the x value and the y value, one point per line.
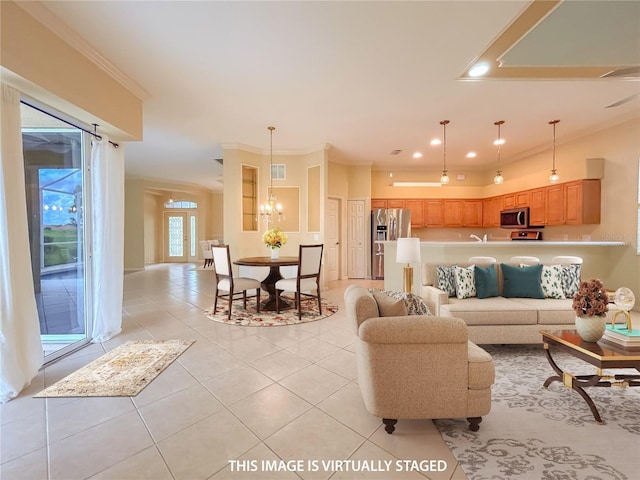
418	366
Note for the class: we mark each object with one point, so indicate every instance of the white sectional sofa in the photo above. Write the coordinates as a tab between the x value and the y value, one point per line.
499	320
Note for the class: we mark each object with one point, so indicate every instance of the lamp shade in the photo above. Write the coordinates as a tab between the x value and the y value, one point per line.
408	250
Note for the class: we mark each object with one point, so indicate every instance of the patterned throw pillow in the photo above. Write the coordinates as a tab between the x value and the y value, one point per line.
551	281
465	282
446	279
570	279
413	303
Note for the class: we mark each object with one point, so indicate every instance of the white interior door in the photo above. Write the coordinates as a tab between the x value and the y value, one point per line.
356	239
332	255
176	233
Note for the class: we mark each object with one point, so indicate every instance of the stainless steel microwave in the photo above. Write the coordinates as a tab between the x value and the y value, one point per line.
515	218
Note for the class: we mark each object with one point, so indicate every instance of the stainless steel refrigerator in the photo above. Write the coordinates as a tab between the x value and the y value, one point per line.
386	225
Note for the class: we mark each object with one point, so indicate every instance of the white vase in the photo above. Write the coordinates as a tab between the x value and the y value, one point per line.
275	253
590	329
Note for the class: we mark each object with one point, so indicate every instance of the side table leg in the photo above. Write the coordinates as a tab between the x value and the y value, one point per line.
570	381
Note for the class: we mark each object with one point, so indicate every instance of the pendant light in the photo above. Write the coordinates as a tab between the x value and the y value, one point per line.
554	177
498	179
444	179
271	209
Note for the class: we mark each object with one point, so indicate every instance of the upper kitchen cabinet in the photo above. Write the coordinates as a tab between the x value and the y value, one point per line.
556	204
582	199
515	200
454	213
377	203
433	210
491	211
538	207
472	213
395	203
417	212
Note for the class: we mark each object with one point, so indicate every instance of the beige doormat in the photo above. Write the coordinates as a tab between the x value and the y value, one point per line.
123	372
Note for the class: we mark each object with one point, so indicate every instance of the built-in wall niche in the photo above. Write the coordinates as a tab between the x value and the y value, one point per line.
313	199
249	198
289	198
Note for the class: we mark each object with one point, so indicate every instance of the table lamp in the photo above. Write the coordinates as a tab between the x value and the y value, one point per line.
408	252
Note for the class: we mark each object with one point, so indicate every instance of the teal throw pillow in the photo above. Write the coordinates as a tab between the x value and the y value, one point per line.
522	282
486	281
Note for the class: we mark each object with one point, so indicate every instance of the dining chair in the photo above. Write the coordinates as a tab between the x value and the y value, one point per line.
226	283
307	279
206	253
526	260
482	260
567	260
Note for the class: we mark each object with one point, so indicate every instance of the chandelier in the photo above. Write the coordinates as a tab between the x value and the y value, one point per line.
554	177
271	210
498	179
444	179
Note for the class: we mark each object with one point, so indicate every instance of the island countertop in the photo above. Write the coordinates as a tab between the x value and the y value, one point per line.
599	257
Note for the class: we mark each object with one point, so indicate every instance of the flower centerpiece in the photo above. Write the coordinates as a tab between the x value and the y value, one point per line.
591	304
274	238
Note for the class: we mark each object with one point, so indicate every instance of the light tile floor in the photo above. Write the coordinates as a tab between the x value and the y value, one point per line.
254	394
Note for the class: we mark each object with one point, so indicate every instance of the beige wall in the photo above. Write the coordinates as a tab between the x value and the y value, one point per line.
134	224
40	64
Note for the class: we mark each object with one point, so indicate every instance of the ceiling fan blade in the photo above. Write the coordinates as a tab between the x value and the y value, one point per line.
623	72
624	100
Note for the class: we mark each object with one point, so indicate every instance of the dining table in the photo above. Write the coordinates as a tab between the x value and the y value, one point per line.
269	283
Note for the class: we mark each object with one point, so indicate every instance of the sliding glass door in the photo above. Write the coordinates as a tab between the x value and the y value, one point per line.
55	156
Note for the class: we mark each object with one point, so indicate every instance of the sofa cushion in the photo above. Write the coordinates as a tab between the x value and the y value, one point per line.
465	282
389	306
414	304
490	311
446	279
570	279
551	281
481	369
523	282
551	311
486	281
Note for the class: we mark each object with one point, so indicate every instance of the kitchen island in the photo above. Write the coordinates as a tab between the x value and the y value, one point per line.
600	258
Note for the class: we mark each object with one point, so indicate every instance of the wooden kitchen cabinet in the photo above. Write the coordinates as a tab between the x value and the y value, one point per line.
433	210
472	213
378	203
582	200
555	205
395	203
516	200
416	206
538	207
491	208
454	213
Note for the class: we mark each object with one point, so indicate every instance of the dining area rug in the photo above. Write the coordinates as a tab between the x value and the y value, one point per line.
251	318
123	372
533	432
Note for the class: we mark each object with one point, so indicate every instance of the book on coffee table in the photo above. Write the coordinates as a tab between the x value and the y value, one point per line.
622	336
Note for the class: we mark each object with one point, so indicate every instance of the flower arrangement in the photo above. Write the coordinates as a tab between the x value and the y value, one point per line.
275	237
591	299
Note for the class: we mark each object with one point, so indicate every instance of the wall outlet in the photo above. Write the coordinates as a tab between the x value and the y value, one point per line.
316	237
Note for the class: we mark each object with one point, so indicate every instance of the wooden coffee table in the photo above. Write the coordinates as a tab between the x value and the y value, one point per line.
601	355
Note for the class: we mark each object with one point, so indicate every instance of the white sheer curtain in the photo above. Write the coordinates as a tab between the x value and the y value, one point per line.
107	184
20	346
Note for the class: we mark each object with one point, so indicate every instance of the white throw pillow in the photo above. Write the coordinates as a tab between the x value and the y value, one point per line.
551	281
465	282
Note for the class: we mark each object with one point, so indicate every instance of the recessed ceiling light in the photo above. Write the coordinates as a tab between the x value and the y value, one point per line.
478	70
436	141
471	155
417	155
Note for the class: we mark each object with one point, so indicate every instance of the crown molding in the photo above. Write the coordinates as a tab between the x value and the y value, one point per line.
265	151
51	21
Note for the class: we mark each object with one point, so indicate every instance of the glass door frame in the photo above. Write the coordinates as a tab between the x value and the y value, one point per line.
76	341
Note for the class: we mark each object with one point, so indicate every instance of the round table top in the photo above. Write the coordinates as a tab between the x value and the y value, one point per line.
267	261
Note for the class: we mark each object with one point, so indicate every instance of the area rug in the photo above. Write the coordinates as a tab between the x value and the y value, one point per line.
251	318
123	372
538	433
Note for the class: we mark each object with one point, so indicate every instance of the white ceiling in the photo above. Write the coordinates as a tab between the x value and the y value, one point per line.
365	77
